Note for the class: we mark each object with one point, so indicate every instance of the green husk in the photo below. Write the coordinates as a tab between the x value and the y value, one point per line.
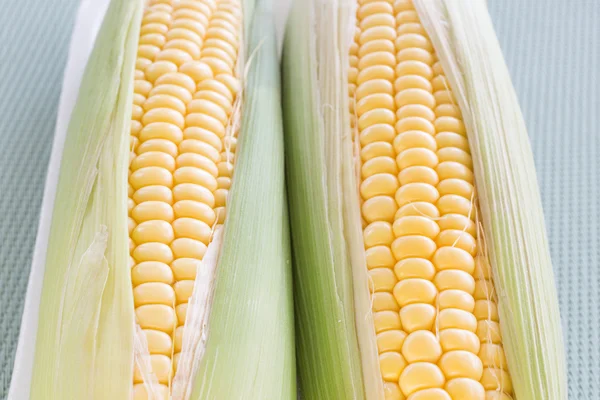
85	345
509	197
324	206
250	343
84	331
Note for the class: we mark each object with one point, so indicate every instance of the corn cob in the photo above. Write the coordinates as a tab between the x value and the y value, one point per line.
413	252
151	232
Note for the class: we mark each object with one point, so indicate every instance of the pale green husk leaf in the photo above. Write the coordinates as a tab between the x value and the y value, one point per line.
85	333
337	355
513	221
250	345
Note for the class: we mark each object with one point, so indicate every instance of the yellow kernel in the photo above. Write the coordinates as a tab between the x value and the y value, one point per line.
159	252
374	86
193	229
153	158
414	124
415	110
391	391
459	339
378	185
151	271
455	298
161	366
414	53
421	346
418	208
382	279
188	248
408	40
455	279
192	191
181	311
183	290
196	176
414	139
158	69
379	208
448	110
486	310
379	165
457	187
418	174
153	231
455	204
417	157
155	129
482	268
200	147
418	316
451	139
390	341
391	364
413	246
419	376
450	124
386	320
414	82
156	316
153	293
378	233
148	176
414	290
379	256
454	170
158	342
461	364
465	388
416	192
384	301
414	268
161	145
496	379
194	209
456	155
484	290
457	222
377	58
415	225
429	394
185	268
492	355
165	101
489	331
152	210
455	318
453	258
375	72
377	149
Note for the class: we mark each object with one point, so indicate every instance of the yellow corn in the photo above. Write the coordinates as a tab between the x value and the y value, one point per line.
433	301
182	153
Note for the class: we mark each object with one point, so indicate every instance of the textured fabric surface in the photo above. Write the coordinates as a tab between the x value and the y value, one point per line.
35	36
552	52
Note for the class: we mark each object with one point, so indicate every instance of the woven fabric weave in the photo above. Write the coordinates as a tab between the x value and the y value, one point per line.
552	52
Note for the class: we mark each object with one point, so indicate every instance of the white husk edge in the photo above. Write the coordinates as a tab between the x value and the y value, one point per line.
87	24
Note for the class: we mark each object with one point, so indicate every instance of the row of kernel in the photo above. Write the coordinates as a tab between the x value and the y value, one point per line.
478	366
414	227
168	43
372	63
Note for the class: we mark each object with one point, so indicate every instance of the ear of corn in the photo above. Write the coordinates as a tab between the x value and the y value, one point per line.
197	297
453	309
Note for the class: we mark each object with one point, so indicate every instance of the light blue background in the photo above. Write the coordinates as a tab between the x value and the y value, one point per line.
553	51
